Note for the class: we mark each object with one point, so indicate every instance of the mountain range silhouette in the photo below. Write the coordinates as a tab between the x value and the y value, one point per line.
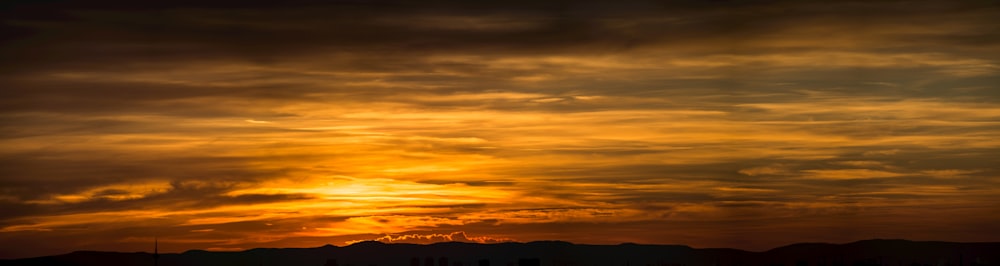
877	252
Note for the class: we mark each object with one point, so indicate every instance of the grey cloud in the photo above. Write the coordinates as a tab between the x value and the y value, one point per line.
39	176
158	34
180	196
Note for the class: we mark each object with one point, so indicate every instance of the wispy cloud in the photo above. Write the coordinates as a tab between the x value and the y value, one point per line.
433	238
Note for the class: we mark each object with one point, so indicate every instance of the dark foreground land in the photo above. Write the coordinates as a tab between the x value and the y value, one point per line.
552	253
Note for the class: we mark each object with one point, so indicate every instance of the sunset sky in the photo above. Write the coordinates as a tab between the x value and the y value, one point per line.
743	124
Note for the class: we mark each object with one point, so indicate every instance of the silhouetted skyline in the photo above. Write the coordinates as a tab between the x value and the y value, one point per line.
557	253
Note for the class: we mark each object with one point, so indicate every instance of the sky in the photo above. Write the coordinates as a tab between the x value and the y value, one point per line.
231	125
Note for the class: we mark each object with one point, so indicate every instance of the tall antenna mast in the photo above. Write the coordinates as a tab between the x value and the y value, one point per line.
156	251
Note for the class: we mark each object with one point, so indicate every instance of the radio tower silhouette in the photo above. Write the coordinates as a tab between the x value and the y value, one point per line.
156	251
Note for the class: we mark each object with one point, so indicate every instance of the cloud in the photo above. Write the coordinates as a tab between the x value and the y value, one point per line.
882	152
864	164
434	238
764	170
950	173
849	174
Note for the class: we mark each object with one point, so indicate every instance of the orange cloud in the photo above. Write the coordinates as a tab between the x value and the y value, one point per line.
459	236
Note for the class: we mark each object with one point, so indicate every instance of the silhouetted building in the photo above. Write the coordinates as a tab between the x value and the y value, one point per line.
443	261
457	263
415	261
429	261
529	262
484	262
331	262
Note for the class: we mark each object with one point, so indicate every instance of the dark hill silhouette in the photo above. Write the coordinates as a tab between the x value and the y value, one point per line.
558	253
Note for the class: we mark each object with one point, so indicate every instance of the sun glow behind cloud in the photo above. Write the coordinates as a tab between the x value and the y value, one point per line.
663	131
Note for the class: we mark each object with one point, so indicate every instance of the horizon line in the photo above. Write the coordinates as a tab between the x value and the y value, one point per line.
368	242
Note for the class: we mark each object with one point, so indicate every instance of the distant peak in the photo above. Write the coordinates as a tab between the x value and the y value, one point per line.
802	245
551	242
882	240
367	243
816	245
196	251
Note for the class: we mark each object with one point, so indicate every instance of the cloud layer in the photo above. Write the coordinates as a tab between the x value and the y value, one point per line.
739	124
